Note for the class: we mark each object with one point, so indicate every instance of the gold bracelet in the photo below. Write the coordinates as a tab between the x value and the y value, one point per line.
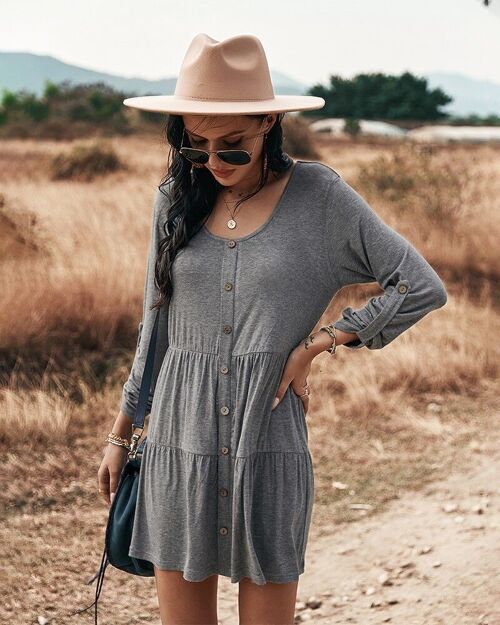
117	440
331	331
113	442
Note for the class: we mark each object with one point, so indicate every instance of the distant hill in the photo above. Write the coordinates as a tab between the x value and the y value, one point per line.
23	70
470	95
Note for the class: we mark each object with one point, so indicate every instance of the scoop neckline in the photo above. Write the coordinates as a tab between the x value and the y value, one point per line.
276	210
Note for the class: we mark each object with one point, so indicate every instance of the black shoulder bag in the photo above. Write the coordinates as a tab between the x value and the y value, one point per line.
122	509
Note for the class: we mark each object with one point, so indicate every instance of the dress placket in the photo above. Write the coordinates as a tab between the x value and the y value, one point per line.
225	407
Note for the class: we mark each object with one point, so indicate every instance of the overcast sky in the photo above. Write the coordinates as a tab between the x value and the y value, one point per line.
306	40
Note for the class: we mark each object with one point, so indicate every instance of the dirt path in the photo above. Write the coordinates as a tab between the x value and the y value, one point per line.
431	558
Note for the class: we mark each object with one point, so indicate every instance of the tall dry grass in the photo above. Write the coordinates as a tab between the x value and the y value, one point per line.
72	290
445	200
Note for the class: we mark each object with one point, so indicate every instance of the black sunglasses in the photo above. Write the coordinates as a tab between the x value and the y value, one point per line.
232	157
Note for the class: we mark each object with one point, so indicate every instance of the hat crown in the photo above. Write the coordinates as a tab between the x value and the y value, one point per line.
233	69
229	77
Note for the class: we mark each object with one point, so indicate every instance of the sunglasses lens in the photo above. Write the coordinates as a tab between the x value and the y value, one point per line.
234	157
195	156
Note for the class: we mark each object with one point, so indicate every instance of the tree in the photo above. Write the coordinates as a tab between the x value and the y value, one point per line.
382	96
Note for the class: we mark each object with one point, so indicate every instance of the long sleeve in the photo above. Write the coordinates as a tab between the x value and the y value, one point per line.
362	248
131	388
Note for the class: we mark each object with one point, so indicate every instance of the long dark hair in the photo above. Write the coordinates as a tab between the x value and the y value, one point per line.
192	193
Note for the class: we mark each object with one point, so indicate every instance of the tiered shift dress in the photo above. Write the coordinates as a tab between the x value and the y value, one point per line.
226	484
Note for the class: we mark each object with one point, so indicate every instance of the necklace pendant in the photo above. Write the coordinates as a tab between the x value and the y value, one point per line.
231	224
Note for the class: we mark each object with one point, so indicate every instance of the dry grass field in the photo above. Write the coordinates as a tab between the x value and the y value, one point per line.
382	424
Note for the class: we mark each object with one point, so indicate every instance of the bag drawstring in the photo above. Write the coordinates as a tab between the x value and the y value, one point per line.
100	580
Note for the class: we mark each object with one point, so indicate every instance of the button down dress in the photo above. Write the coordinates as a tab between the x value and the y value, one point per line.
227	484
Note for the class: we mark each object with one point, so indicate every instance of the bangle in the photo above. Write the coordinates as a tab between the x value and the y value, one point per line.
331	331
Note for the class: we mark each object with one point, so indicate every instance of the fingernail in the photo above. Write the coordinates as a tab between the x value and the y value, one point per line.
275	402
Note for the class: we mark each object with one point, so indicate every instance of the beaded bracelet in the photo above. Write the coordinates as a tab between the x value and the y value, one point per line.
331	331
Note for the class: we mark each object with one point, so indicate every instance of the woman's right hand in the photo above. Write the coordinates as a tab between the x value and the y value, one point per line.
108	475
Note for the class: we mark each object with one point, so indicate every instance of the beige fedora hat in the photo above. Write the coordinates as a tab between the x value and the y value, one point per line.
228	77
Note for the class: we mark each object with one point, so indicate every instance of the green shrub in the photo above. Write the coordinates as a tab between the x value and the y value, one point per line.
352	126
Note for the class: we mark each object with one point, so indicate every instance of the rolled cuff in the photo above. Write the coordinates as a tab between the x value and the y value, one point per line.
369	321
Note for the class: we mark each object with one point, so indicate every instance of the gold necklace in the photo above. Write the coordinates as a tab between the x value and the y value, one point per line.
231	223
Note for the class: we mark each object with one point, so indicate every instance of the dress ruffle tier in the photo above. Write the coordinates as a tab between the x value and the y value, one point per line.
177	524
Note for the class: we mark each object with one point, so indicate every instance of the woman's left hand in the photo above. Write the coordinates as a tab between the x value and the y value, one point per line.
296	370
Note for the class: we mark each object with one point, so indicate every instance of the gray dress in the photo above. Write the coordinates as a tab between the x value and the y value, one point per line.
226	485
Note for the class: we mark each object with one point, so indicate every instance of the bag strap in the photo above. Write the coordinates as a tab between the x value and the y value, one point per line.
140	412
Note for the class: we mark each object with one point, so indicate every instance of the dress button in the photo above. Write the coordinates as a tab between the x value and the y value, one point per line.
402	288
223	530
224	410
225	450
231	243
223	492
227	329
228	286
224	369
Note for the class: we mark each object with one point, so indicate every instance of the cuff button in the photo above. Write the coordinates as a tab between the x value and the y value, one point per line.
402	288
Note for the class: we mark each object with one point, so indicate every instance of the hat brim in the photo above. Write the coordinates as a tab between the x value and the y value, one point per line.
178	105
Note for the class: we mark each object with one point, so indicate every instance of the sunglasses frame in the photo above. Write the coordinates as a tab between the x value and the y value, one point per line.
206	153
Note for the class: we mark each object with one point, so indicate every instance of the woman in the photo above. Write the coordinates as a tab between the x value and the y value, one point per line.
247	250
